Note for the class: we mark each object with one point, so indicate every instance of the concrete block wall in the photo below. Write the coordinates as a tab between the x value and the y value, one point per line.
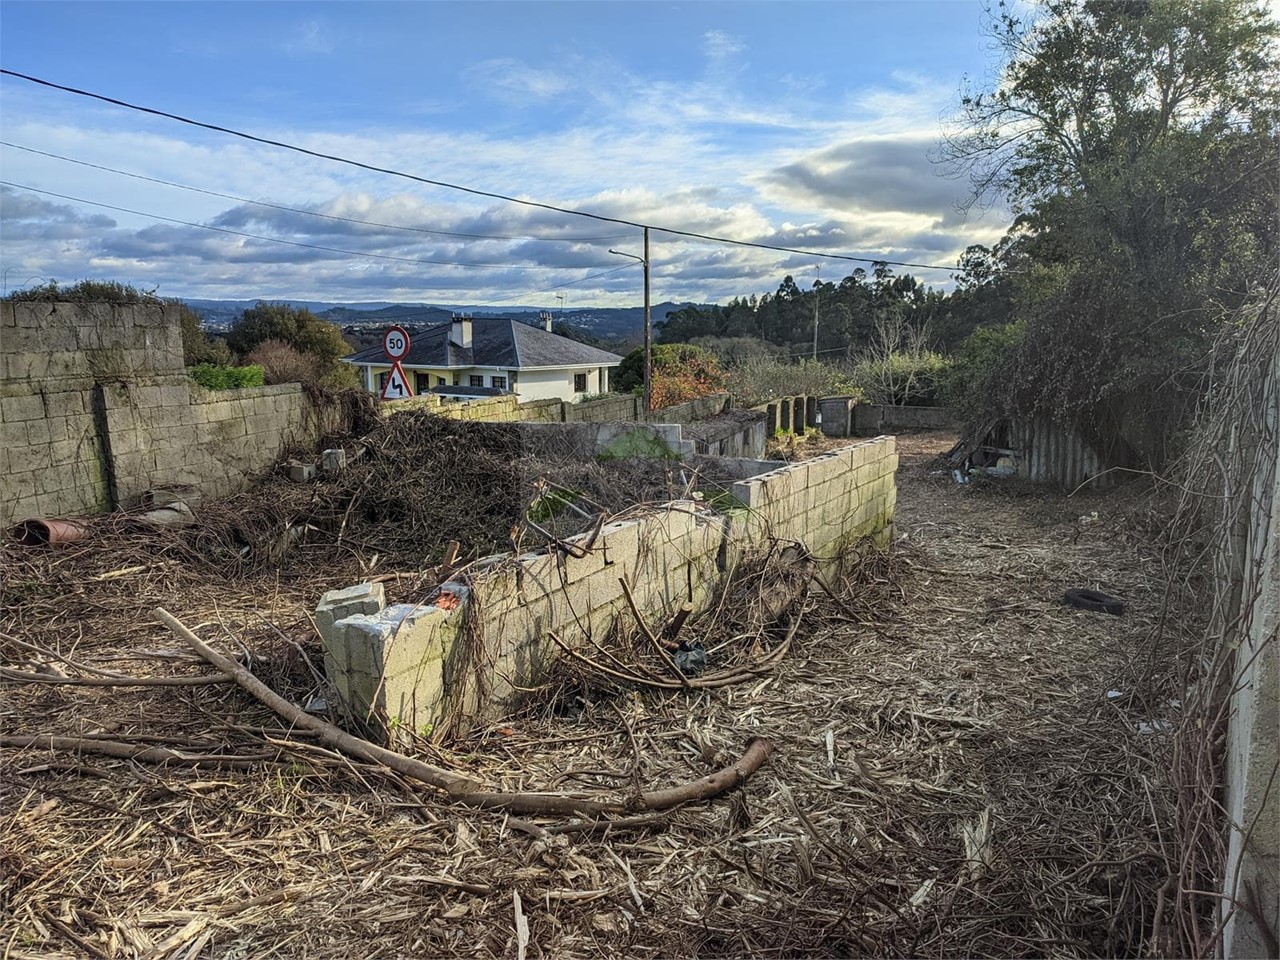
789	414
837	416
617	440
692	411
729	436
870	419
438	669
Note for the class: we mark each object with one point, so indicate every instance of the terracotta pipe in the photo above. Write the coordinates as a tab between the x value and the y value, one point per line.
49	533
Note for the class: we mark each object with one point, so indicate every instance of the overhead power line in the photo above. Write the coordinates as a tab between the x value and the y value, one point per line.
454	186
309	213
292	243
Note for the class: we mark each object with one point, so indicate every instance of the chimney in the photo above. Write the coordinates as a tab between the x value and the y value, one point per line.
460	332
545	316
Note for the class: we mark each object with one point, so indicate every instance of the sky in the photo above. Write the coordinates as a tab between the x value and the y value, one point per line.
806	125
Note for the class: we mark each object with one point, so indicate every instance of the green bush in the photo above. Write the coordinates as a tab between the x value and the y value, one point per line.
903	379
86	291
214	377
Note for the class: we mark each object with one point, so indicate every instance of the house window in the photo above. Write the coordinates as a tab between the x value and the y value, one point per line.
421	382
499	383
441	382
382	381
477	381
579	383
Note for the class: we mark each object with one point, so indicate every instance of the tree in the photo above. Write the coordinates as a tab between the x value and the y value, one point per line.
681	372
300	329
197	346
296	326
1134	140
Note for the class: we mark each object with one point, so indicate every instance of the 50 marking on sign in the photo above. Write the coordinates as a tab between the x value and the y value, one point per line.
395	343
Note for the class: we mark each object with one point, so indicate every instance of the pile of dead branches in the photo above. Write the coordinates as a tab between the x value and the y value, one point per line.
418	481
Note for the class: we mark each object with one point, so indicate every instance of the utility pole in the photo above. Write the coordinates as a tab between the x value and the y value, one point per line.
817	298
648	335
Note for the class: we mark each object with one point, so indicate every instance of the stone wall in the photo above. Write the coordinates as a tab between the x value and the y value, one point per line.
96	408
55	362
871	419
440	667
620	407
173	432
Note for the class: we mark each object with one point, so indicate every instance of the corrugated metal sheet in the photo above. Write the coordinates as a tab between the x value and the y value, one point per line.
1048	453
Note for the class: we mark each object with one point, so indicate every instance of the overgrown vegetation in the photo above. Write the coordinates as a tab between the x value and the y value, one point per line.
84	291
215	377
757	380
681	372
317	345
1136	143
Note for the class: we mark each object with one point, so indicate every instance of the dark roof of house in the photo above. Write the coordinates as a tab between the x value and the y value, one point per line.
495	342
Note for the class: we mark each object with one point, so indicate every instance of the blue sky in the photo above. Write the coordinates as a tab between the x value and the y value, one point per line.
802	124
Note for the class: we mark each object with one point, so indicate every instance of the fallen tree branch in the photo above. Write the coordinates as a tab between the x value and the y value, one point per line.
709	681
658	645
129	751
204	680
433	776
463	789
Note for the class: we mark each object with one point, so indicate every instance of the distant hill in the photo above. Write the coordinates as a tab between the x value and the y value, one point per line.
612	324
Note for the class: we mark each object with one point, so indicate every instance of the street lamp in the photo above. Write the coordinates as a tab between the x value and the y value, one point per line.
648	338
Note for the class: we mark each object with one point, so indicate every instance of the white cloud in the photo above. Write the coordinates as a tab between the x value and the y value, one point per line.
518	83
719	45
311	37
848	174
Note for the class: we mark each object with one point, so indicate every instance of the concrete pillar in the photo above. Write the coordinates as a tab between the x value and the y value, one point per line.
785	419
364	598
810	411
1253	732
837	413
771	419
798	405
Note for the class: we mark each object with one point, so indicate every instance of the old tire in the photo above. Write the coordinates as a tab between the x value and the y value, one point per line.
1095	601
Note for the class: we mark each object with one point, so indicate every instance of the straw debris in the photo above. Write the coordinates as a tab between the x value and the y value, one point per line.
950	774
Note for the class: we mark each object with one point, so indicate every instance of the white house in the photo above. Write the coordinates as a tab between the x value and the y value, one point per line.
494	354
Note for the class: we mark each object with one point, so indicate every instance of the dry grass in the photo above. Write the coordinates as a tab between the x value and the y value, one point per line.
951	776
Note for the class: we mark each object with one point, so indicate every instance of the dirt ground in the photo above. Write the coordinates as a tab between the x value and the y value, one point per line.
962	766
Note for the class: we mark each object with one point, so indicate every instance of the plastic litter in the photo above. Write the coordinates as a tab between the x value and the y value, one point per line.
691	658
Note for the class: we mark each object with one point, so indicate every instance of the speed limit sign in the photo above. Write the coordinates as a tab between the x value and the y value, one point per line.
395	343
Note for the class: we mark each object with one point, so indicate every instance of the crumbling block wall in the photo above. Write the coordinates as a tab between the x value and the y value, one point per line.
465	658
789	414
730	435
